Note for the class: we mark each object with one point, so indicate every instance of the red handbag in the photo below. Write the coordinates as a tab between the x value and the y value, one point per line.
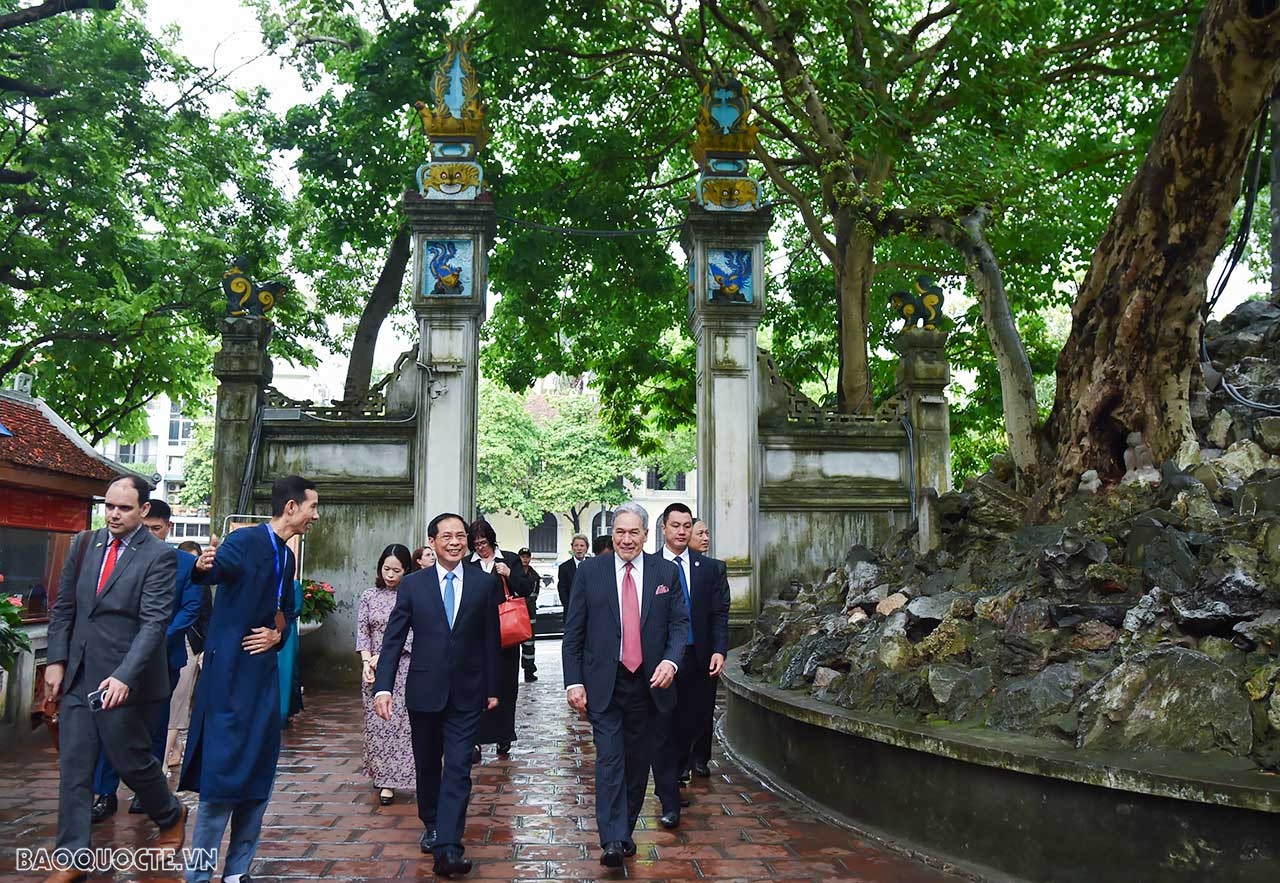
513	619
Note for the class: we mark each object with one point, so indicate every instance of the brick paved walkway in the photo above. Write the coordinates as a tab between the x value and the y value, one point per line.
531	814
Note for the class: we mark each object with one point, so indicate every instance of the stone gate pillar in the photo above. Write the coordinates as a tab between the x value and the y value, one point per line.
723	239
452	219
450	240
243	369
921	376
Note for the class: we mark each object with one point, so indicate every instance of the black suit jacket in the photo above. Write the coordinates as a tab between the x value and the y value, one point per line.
708	606
119	633
593	628
457	668
564	580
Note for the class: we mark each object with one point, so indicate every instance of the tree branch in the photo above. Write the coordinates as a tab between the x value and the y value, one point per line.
50	8
32	90
811	220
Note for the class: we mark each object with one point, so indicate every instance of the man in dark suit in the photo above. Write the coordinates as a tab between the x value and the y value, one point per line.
107	641
569	569
187	599
624	632
705	584
452	609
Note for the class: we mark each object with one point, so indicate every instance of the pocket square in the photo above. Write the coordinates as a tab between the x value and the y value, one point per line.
662	590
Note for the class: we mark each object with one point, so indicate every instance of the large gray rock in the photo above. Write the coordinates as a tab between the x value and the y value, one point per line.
1022	704
935	608
1262	631
1267	433
1170	699
1066	561
1163	556
958	691
996	506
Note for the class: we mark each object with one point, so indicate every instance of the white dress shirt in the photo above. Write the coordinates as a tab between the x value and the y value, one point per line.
637	574
683	565
486	564
457	600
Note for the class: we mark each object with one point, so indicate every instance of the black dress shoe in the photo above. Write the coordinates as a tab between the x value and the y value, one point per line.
628	848
504	748
614	852
475	754
701	770
449	861
135	806
428	840
670	820
530	677
104	805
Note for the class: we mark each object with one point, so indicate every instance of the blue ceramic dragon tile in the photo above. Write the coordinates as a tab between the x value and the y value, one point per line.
447	268
729	276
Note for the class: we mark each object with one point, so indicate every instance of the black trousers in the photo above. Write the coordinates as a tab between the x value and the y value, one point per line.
680	731
624	749
442	744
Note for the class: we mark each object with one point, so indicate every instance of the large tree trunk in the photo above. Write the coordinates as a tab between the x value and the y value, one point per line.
1127	363
382	300
1017	383
854	271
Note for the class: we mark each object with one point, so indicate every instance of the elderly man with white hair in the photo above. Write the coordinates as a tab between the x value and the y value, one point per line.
624	632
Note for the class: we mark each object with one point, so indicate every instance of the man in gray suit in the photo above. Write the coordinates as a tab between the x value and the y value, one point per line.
107	660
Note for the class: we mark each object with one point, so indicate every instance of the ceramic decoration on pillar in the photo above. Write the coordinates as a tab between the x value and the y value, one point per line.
452	219
723	239
454	121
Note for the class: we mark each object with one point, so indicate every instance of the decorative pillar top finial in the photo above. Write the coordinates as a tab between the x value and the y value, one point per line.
726	137
454	124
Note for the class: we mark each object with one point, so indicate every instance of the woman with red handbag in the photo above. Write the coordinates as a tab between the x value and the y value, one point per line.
499	725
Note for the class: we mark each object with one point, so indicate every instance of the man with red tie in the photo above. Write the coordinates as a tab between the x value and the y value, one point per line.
107	662
624	631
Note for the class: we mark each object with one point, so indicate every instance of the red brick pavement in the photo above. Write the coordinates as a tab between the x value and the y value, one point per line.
531	815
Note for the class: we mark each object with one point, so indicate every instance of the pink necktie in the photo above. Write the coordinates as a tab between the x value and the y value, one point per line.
632	655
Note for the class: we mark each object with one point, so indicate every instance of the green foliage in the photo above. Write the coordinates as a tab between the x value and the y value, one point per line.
562	462
13	637
507	453
197	467
578	464
121	201
972	450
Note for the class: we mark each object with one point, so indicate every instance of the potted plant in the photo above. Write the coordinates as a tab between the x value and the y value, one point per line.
317	603
13	638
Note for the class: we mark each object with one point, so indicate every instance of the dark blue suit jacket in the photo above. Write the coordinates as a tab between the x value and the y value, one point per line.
708	606
457	668
593	627
188	597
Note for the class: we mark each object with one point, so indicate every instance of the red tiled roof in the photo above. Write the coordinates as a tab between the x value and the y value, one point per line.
38	443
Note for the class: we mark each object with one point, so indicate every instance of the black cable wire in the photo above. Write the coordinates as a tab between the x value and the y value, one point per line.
1252	179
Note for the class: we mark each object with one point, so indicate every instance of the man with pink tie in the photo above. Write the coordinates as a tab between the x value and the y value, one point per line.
626	626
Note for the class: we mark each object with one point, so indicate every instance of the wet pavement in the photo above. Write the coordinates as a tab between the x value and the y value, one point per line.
531	815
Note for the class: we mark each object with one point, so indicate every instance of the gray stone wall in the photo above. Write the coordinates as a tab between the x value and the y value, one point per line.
364	471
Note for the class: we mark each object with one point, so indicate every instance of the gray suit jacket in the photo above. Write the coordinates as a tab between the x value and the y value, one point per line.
119	633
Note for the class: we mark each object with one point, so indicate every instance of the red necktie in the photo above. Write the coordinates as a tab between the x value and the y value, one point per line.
110	564
632	655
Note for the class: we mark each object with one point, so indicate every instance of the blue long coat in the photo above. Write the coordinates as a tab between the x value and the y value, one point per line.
234	740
